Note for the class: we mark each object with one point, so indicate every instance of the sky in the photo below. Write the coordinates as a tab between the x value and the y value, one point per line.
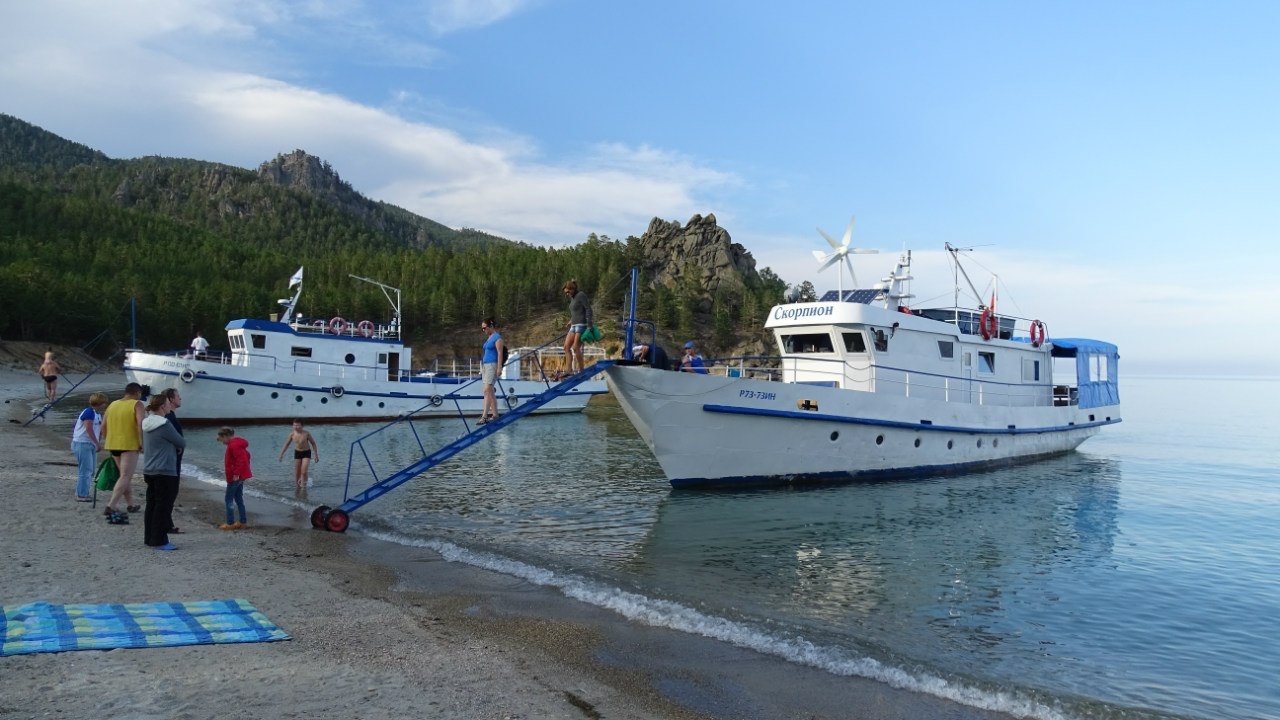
1115	165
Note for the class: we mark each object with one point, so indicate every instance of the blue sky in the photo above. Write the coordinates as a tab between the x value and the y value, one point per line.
1116	164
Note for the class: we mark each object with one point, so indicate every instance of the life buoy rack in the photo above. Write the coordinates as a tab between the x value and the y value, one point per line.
336	391
366	328
187	376
987	324
1038	333
337	325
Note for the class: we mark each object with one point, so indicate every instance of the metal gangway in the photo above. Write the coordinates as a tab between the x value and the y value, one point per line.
337	519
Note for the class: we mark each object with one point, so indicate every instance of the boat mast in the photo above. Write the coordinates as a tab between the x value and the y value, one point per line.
395	304
955	262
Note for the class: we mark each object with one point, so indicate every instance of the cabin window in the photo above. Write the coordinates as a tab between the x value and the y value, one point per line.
882	340
382	358
259	341
236	342
946	349
854	342
986	362
807	343
300	351
350	358
1030	370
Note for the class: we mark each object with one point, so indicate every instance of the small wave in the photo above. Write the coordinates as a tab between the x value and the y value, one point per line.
674	616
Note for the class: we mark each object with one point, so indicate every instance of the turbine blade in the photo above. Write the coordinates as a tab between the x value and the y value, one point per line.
848	232
820	256
852	276
830	261
833	243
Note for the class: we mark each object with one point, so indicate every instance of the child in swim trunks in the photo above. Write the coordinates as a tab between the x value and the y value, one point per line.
305	451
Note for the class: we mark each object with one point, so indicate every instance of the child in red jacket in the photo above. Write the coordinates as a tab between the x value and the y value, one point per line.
236	462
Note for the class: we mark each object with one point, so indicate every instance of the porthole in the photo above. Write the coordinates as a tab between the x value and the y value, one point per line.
275	395
917	442
359	403
382	404
323	400
951	444
350	358
979	442
879	439
297	398
239	391
834	435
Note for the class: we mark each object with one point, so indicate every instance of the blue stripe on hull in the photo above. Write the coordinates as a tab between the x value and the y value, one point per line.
924	426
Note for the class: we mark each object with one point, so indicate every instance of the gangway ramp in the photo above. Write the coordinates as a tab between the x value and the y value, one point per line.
337	519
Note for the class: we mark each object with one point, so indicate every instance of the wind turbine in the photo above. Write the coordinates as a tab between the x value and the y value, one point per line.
840	251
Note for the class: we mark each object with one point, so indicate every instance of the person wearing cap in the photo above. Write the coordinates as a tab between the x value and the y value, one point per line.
692	361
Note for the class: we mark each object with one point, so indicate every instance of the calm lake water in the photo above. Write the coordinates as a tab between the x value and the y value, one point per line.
1135	578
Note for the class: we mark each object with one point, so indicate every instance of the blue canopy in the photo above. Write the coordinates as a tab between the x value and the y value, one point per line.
1097	369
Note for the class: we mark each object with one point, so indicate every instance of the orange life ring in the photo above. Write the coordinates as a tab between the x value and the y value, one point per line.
337	325
366	328
987	324
1038	333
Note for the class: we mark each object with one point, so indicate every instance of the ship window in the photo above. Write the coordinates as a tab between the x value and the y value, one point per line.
300	351
1030	370
259	341
807	343
882	341
382	358
350	358
855	342
946	349
986	362
1098	367
237	342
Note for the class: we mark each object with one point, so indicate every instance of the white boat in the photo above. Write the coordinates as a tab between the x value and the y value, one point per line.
867	388
339	371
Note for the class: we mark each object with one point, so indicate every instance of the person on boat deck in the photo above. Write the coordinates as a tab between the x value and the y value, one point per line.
654	355
48	371
580	318
489	369
199	346
692	361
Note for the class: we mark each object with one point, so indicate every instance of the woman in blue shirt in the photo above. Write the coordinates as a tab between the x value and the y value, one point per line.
489	370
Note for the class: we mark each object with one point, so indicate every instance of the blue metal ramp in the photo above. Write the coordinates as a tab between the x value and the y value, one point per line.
337	519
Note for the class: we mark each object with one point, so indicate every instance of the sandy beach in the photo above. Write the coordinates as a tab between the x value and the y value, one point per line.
378	630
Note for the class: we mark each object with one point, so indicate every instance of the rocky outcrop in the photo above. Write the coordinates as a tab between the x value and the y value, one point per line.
670	251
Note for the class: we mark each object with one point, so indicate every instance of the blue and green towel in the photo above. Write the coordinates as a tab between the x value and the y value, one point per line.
45	627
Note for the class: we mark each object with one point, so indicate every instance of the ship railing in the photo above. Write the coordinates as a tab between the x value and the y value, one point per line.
344	328
872	377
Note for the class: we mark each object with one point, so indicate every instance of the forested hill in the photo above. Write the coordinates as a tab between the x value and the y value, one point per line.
197	243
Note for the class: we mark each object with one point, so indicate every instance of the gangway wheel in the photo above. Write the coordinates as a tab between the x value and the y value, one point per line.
337	521
319	515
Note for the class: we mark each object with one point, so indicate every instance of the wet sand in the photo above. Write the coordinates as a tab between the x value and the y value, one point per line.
379	630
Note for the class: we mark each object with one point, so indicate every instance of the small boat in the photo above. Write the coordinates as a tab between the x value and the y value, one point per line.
867	387
339	371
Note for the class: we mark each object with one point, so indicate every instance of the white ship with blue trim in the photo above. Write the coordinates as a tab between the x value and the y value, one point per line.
339	371
866	387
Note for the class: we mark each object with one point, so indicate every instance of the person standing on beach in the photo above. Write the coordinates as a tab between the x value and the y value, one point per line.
160	472
86	441
48	371
175	402
122	437
489	362
305	451
236	463
580	318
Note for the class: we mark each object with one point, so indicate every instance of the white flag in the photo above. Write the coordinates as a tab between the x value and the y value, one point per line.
297	278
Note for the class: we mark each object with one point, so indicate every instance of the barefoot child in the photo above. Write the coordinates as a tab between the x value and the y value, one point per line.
236	462
305	451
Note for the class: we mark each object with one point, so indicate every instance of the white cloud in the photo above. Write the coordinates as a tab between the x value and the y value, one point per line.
446	16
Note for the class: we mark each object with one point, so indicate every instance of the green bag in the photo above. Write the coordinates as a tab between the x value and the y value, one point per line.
108	473
591	334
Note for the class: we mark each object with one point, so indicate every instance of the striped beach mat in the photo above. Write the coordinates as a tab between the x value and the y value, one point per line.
45	627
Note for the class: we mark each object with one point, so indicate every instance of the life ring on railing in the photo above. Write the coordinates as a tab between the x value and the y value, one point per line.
187	375
336	391
366	328
337	325
1038	333
436	401
987	324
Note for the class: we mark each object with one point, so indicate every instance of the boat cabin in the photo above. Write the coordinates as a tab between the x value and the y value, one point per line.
320	349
